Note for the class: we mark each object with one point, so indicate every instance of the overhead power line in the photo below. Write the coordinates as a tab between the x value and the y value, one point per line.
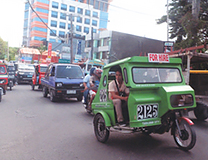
44	23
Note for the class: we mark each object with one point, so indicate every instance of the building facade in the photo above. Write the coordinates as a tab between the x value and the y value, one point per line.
49	21
111	46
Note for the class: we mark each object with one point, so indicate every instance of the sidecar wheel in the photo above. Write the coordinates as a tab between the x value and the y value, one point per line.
101	132
201	111
187	139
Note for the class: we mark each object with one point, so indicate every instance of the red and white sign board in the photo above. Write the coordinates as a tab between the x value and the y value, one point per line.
49	50
154	57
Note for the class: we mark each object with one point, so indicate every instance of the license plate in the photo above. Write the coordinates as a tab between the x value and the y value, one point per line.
71	91
11	76
29	75
146	111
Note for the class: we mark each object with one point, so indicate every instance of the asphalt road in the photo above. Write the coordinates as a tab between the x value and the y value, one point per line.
33	128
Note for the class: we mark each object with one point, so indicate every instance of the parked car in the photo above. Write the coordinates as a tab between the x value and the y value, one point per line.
63	81
25	72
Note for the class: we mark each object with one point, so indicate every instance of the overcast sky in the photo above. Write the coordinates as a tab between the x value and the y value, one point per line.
136	17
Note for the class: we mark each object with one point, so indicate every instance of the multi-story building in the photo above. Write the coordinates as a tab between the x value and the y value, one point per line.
51	20
111	46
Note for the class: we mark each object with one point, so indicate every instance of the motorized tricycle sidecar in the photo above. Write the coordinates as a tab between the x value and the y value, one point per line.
3	77
39	73
157	100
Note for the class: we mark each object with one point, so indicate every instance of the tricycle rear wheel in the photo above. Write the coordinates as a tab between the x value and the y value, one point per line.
101	132
187	139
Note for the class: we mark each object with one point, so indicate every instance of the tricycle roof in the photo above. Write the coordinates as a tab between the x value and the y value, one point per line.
149	59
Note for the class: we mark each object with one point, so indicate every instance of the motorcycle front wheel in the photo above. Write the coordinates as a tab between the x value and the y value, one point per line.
187	139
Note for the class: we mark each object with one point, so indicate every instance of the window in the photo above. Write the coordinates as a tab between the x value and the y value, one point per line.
41	10
38	19
42	1
52	32
63	7
61	34
71	9
62	25
87	21
63	16
87	12
86	30
54	14
55	5
69	26
53	23
95	14
78	28
156	75
52	40
80	1
79	19
92	2
71	72
70	18
94	30
101	6
80	10
97	5
94	22
39	29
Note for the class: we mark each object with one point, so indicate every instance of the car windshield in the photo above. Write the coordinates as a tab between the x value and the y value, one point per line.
2	70
28	67
156	75
71	72
11	68
43	68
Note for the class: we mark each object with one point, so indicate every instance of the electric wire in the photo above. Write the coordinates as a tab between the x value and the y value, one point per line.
46	26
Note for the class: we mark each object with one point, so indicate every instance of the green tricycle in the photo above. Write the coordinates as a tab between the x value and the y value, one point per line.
158	100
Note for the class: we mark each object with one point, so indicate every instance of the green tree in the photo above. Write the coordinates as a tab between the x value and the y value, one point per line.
12	52
3	49
187	30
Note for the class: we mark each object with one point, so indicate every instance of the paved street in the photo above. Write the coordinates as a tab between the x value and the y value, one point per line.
33	128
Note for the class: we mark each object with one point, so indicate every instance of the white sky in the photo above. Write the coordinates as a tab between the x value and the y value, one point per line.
139	18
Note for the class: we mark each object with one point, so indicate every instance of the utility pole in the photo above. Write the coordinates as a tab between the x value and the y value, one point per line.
71	38
195	8
167	22
92	43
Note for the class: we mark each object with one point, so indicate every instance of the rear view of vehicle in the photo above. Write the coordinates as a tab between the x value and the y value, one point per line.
11	76
157	100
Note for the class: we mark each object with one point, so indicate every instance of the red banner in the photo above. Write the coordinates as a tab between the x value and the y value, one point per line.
49	50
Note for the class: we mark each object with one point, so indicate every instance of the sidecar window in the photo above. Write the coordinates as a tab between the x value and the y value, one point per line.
156	75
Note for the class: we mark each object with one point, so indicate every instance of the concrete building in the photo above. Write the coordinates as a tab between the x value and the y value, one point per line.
111	46
49	21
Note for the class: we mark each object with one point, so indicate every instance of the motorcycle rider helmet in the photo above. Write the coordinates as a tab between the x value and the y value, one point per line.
98	72
92	70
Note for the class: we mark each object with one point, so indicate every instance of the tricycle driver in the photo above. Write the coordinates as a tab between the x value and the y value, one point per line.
116	89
